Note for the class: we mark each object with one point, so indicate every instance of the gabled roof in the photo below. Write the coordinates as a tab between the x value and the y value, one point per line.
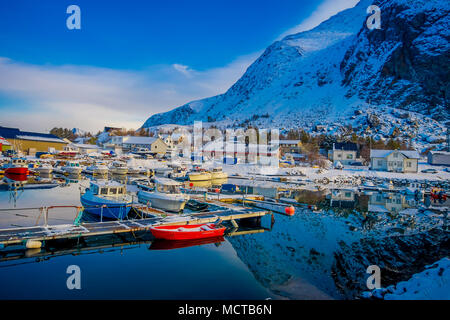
410	154
139	140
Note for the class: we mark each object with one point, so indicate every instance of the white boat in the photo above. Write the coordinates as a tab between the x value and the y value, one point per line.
44	168
217	173
97	169
72	168
199	176
139	170
118	168
166	196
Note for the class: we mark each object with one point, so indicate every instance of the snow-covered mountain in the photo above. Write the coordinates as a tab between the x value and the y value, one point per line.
324	75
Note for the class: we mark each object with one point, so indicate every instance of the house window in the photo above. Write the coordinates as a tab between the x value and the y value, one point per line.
350	156
409	164
380	163
339	155
395	155
348	194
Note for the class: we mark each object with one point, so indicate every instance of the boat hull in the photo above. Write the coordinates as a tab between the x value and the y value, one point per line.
112	209
162	202
186	232
219	175
44	170
71	170
17	170
200	177
120	171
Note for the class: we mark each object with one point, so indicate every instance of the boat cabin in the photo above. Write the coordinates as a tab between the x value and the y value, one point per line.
108	189
73	164
18	161
164	185
118	164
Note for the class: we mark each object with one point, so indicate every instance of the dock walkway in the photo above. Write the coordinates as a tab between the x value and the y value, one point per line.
227	212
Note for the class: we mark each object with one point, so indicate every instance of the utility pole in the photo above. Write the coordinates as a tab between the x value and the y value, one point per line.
448	139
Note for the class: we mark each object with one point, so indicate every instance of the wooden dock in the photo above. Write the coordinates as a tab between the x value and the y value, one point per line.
227	212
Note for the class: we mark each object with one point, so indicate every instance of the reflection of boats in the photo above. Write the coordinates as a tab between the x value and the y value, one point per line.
107	199
16	166
118	168
166	195
217	173
160	244
187	232
72	167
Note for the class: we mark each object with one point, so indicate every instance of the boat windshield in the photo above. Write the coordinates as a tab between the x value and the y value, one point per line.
168	188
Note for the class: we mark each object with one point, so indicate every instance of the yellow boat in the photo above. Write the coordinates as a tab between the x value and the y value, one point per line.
199	176
217	173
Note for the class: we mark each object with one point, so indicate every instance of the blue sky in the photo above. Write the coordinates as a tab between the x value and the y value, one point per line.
133	58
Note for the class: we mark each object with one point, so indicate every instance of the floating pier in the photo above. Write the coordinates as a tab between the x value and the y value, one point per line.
35	234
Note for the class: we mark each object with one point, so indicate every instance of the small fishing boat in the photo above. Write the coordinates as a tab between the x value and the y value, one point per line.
217	173
195	205
118	167
97	168
107	199
44	168
16	166
166	195
72	168
187	232
200	175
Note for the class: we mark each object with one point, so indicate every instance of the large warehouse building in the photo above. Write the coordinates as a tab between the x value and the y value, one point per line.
31	142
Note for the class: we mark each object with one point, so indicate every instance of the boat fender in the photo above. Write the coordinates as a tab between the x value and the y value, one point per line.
33	244
289	210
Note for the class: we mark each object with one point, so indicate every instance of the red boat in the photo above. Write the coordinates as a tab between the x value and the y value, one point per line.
17	166
187	232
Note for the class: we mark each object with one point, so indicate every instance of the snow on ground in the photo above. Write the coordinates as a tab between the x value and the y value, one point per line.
431	284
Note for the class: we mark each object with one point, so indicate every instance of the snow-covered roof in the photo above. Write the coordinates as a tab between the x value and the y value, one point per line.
39	138
289	141
85	146
106	183
411	154
139	140
447	153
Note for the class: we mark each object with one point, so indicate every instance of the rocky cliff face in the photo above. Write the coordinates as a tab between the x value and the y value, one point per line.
405	63
323	75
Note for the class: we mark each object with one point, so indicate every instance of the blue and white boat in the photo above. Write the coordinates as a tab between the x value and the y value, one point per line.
107	199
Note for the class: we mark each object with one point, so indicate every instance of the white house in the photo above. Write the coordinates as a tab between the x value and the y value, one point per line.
168	140
345	153
394	160
441	158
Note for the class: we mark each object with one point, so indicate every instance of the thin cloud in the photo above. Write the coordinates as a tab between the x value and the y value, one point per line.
91	97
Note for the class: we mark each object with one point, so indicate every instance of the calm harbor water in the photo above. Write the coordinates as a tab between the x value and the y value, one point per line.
299	258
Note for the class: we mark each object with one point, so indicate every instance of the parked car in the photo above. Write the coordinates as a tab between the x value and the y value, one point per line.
429	171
